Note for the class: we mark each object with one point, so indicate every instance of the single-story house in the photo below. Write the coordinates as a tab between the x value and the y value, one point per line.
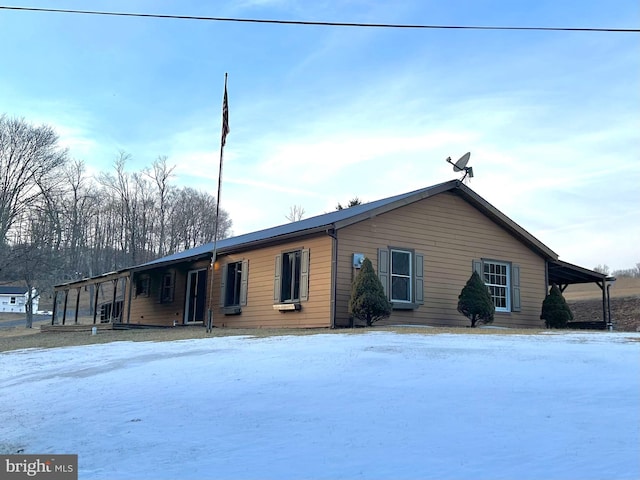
15	299
424	245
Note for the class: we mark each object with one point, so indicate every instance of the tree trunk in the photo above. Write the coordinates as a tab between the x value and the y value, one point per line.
28	308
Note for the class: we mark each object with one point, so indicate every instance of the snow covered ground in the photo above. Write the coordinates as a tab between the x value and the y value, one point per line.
375	405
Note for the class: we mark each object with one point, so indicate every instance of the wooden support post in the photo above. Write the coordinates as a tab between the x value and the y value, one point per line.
113	301
95	302
55	307
603	287
64	311
77	305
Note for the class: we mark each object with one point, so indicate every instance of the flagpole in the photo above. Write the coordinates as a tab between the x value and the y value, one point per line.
223	141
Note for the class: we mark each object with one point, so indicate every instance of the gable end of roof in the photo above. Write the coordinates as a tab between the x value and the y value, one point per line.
501	219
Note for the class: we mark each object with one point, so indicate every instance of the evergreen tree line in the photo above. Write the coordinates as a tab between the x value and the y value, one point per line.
60	223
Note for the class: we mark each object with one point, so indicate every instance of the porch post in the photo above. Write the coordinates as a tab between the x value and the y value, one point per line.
64	311
95	301
77	305
113	301
55	307
604	301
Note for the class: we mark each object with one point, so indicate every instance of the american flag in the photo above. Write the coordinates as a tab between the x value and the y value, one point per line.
225	116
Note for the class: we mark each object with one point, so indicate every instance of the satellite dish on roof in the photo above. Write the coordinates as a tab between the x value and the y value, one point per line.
461	165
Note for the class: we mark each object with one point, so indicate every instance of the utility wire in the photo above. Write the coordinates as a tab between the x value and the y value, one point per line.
322	24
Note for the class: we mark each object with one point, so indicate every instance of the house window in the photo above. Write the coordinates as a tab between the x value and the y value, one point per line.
290	290
401	274
233	284
143	285
168	284
291	283
503	281
496	277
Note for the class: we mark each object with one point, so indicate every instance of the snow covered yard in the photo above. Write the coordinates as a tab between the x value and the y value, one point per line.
376	405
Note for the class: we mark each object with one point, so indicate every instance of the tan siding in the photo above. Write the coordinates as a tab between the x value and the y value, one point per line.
259	310
450	233
149	310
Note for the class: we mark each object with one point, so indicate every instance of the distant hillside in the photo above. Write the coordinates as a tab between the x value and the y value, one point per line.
623	287
585	301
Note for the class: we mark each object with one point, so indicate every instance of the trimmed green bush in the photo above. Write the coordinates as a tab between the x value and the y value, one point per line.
475	301
555	311
368	301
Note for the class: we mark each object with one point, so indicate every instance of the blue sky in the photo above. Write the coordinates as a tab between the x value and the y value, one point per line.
319	115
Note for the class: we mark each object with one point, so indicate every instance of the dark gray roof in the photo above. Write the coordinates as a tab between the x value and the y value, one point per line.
565	273
307	225
12	290
348	216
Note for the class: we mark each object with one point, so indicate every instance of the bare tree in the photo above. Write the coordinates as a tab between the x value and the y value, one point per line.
33	252
192	220
604	269
59	224
160	174
633	272
30	162
79	208
124	186
29	158
296	212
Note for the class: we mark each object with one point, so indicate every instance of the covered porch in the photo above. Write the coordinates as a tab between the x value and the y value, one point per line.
564	274
92	299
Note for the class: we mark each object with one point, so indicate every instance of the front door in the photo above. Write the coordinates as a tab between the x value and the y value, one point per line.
195	305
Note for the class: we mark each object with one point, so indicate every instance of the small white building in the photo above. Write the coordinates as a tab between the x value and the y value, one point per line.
14	299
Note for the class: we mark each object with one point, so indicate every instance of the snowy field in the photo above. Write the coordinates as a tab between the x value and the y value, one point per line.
375	405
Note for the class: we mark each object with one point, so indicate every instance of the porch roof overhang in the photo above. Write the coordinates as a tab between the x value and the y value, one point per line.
105	277
564	273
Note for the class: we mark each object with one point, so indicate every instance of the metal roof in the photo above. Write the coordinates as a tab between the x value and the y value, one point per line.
341	218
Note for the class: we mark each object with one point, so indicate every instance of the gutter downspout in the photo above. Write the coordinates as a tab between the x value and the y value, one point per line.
334	274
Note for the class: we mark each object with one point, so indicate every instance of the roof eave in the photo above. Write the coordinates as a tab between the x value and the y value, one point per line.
193	258
277	239
91	280
236	248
